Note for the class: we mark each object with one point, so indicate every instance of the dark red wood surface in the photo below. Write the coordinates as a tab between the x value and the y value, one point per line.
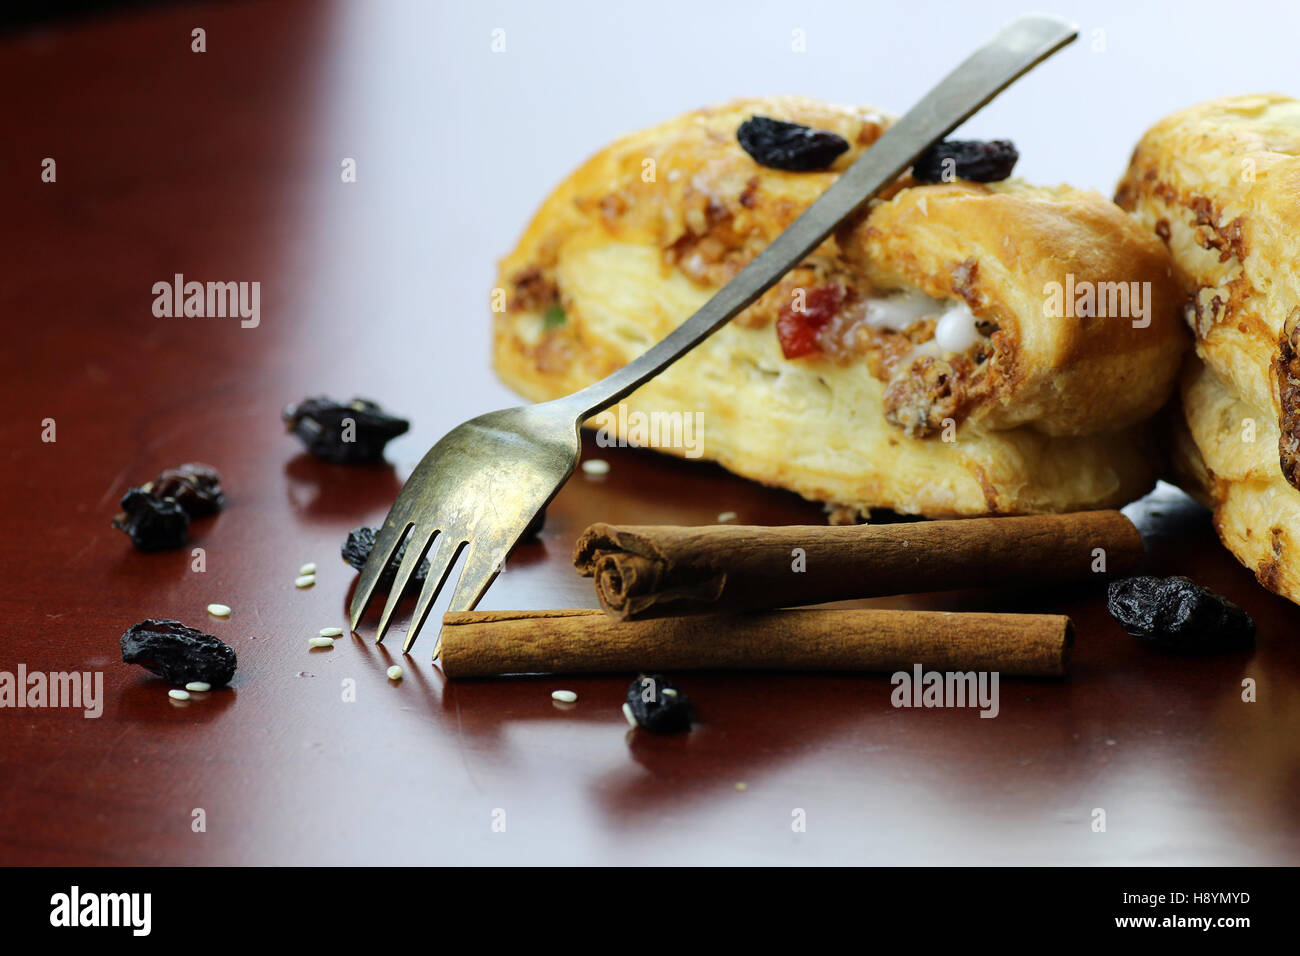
225	166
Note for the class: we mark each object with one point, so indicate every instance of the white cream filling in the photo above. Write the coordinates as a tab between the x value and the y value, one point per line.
955	329
899	311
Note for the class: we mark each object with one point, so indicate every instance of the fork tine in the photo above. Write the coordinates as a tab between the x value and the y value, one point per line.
482	564
388	538
440	562
416	545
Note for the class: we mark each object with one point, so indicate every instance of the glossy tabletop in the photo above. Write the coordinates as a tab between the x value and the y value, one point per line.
226	166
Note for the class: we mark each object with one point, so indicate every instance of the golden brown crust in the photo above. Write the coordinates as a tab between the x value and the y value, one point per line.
1046	408
998	247
1220	182
1226	459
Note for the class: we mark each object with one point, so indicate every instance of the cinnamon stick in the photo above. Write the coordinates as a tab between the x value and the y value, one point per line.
488	643
654	571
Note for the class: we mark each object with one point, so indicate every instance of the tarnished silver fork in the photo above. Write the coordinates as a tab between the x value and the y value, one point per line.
482	485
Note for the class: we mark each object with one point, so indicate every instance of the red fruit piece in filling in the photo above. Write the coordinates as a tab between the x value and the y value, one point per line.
797	330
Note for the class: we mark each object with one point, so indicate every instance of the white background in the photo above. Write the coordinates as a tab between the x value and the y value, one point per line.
458	145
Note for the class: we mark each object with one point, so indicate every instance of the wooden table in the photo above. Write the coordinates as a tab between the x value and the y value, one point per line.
225	166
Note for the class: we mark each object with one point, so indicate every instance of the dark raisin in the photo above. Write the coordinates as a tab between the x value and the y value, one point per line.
194	486
789	146
1177	614
975	160
657	705
153	523
346	433
177	653
361	541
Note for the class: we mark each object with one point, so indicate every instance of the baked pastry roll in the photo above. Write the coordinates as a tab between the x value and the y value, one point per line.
957	349
1220	184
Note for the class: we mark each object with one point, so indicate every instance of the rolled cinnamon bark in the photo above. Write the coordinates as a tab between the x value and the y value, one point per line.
490	643
654	571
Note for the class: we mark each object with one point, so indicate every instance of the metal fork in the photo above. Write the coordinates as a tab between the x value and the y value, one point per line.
482	485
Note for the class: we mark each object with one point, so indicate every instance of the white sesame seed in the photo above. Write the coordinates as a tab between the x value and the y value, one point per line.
331	632
627	712
567	696
308	568
178	694
727	516
304	580
670	692
199	686
321	642
219	610
394	673
596	466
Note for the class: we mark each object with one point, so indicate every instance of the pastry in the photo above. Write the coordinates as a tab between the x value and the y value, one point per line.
958	348
1219	183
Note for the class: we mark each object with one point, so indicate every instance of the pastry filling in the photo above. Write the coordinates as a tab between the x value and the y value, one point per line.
932	354
929	352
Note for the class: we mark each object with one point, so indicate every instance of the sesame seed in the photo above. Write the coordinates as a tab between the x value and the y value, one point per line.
670	691
178	694
394	673
567	696
219	610
304	580
331	632
596	466
727	516
199	686
742	787
627	712
308	568
321	642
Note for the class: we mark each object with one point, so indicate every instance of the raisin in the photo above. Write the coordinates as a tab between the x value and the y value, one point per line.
789	146
153	523
194	486
977	161
356	549
656	704
1177	614
177	653
351	433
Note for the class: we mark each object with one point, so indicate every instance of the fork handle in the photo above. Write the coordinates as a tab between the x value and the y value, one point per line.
1021	46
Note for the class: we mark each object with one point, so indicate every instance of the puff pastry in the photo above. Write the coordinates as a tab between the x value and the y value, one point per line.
1220	184
939	377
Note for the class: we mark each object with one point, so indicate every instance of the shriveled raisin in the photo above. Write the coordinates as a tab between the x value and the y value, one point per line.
346	433
1177	614
975	160
178	653
361	541
194	486
153	523
789	146
656	704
